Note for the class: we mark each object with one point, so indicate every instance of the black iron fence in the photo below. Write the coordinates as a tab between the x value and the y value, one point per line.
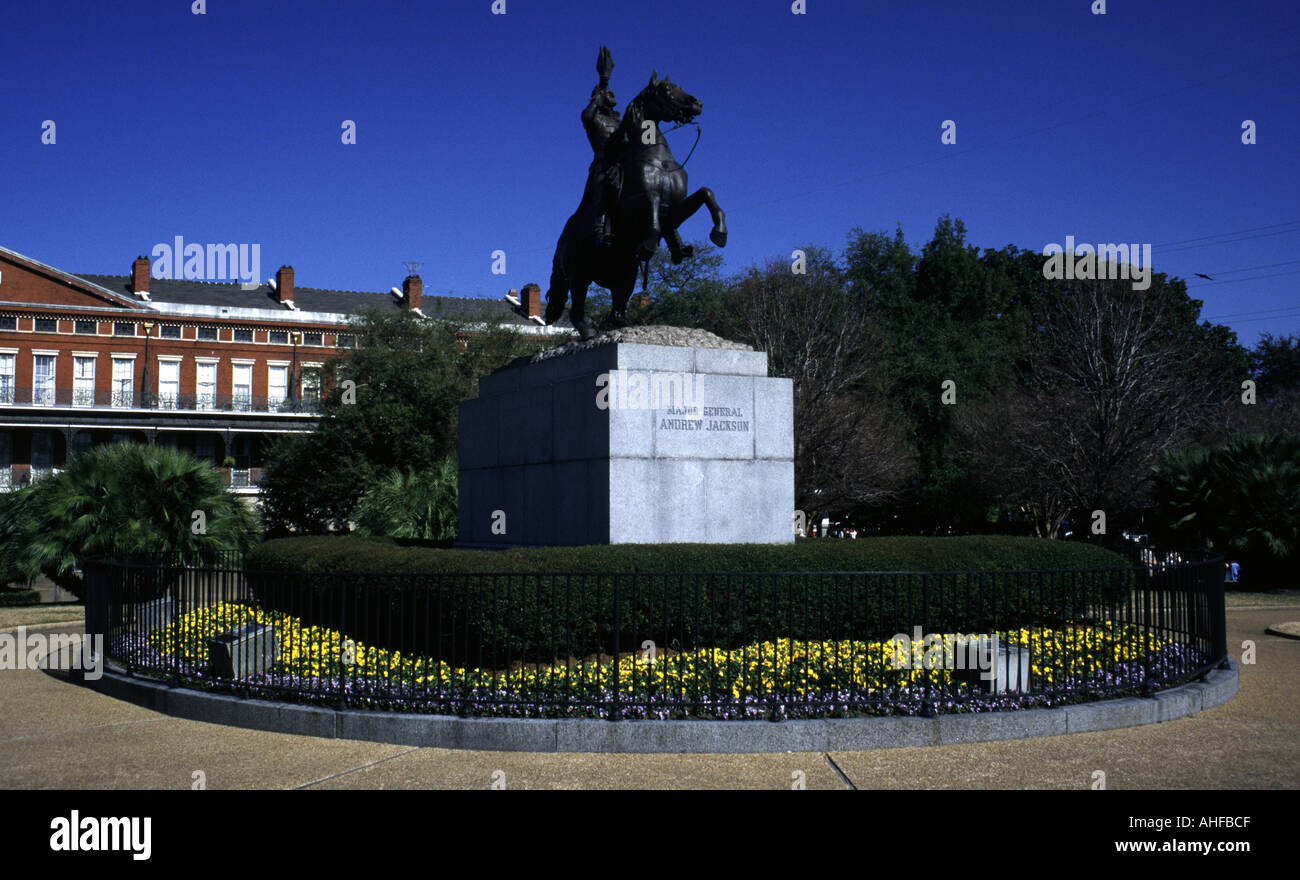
746	645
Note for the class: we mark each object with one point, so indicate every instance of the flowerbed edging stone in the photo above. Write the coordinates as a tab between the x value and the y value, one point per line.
667	737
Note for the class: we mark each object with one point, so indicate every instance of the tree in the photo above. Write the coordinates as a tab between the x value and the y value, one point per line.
395	406
1115	377
947	316
1014	439
1275	368
692	293
849	445
124	498
1277	363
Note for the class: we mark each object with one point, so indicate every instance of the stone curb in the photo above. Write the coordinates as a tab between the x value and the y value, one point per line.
673	737
1281	633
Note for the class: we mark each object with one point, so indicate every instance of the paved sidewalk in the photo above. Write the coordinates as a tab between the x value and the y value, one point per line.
55	734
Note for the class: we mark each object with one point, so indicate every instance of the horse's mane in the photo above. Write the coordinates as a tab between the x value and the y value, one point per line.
629	128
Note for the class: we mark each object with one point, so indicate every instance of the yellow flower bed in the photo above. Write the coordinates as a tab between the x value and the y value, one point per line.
779	666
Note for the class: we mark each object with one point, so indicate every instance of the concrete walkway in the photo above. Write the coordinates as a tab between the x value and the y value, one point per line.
56	734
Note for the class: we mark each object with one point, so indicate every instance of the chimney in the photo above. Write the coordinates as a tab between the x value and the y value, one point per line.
140	276
530	300
412	289
284	283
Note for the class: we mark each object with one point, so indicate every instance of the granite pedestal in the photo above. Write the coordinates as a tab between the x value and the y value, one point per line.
629	443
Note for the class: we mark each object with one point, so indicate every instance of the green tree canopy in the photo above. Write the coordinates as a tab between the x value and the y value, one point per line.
395	406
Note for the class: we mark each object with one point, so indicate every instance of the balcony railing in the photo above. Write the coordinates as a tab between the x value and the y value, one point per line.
202	402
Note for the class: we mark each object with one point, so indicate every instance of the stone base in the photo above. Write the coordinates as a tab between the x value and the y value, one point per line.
629	443
250	650
145	617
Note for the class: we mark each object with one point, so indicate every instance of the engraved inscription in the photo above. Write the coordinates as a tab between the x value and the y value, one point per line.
704	418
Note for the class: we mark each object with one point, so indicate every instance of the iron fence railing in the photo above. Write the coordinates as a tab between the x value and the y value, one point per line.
308	402
689	645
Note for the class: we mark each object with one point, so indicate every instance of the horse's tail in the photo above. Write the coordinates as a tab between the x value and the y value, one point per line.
645	275
557	293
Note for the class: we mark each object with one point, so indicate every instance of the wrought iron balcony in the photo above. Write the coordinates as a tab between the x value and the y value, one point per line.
309	403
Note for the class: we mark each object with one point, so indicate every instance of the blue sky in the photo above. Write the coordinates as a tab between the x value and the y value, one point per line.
225	127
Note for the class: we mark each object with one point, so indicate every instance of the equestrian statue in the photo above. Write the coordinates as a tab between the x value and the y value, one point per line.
635	196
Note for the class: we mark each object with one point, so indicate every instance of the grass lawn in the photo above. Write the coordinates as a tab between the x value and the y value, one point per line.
1236	599
31	615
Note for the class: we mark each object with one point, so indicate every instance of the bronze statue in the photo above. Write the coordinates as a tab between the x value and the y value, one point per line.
604	176
635	195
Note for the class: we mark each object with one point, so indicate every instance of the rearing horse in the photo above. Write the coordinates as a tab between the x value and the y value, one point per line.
652	205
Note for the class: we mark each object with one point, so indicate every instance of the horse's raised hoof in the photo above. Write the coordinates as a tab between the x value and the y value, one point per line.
618	318
719	237
687	251
585	331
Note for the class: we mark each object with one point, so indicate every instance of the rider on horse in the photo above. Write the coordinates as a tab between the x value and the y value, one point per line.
635	188
604	176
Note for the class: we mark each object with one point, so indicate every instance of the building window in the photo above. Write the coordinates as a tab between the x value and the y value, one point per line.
8	323
348	341
278	337
311	387
205	448
277	386
83	381
243	335
43	379
82	441
123	382
169	384
42	454
89	328
170	331
241	384
205	385
46	325
8	372
123	328
207	334
6	459
312	339
8	366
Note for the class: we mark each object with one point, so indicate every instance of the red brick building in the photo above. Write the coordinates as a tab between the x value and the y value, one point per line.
212	368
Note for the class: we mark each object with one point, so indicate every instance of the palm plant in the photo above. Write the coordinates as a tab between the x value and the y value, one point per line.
1241	499
125	498
417	504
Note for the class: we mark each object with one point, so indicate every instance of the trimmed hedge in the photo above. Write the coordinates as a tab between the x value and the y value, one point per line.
19	597
352	554
536	604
